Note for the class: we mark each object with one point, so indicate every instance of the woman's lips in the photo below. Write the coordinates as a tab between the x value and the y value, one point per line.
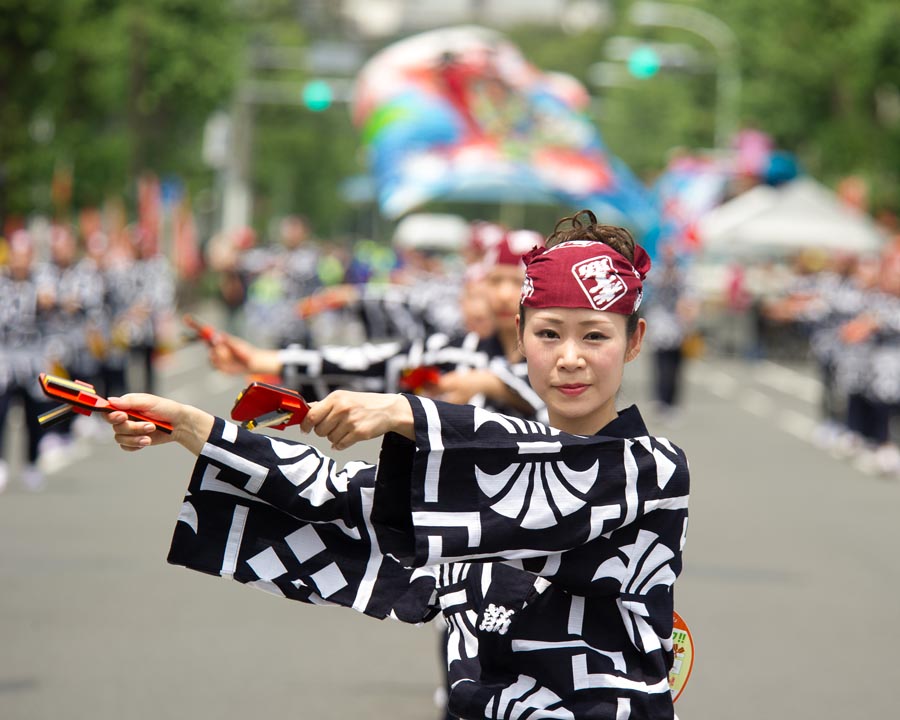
572	389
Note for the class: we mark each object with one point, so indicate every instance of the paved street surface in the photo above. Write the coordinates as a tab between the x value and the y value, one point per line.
790	585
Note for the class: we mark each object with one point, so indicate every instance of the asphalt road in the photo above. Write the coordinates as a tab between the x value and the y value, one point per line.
790	584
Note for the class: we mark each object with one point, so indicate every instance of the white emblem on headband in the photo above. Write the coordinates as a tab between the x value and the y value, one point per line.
607	286
527	289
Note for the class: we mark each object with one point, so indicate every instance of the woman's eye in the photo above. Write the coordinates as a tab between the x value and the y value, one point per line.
547	334
595	336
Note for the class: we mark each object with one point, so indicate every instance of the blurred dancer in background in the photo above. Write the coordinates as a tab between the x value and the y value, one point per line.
671	313
72	292
484	370
141	295
22	354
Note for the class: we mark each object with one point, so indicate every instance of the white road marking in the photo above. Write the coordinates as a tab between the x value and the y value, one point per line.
788	381
782	380
797	424
756	403
718	382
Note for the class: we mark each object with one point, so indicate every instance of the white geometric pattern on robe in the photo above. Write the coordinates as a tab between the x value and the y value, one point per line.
471	522
462	641
665	466
585	680
255	473
525	699
660	475
210	482
366	587
305	544
648	566
574	626
520	487
188	515
311	474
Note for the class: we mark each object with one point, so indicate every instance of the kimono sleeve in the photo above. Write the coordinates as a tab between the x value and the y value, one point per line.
477	485
365	368
280	516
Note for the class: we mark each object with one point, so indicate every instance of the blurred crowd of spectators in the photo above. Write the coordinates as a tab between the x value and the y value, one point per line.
96	307
839	312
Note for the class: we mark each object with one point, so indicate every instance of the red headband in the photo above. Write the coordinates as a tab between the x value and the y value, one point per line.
512	248
584	274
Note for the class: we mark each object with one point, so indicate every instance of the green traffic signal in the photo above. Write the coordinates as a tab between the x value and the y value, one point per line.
643	62
317	95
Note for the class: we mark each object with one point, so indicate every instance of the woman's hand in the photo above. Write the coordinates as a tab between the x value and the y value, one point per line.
191	426
230	354
461	387
346	417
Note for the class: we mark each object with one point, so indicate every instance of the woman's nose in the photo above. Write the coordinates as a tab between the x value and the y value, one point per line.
569	355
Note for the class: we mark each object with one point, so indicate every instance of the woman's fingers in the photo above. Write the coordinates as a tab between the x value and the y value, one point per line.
346	417
337	417
323	418
341	438
133	434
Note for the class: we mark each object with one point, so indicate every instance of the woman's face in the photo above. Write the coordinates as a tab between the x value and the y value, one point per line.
503	284
476	312
576	358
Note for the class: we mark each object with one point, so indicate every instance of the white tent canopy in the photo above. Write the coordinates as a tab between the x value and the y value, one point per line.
802	214
432	231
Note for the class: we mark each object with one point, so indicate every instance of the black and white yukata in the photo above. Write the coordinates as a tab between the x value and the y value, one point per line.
428	306
378	367
551	557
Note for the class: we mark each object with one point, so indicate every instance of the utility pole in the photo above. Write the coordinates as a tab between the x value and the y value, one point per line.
723	40
316	95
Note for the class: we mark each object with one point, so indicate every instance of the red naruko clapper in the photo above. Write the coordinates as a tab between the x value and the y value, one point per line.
263	405
80	397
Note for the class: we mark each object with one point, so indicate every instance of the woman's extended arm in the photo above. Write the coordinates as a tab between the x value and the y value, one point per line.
461	387
344	417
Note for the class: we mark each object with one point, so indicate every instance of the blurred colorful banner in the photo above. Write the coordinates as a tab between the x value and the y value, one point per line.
685	191
694	184
458	114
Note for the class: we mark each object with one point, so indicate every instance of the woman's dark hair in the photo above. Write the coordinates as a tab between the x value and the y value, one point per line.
583	225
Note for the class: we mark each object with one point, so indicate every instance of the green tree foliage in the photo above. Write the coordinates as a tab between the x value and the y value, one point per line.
299	157
818	75
108	89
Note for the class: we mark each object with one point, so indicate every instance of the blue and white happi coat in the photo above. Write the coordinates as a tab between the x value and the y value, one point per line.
551	557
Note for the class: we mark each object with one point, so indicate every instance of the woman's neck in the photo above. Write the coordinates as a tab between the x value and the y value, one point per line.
587	424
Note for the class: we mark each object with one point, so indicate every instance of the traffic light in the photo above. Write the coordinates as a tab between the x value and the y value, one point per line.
643	62
317	95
